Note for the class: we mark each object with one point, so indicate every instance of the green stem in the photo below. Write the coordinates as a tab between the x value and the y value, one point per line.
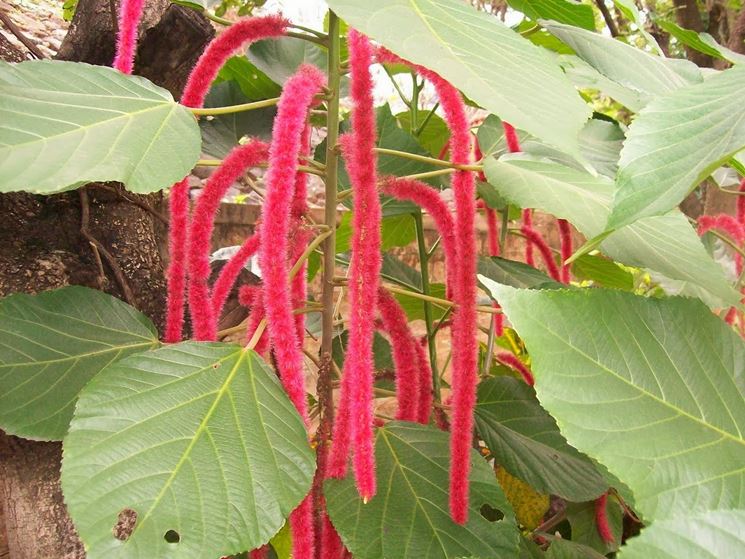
503	231
217	19
396	86
430	160
414	105
319	34
214	111
424	265
306	37
426	120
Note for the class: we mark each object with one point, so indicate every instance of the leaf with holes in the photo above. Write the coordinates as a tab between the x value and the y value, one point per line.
478	54
676	142
525	441
63	124
666	244
196	445
409	518
651	388
52	344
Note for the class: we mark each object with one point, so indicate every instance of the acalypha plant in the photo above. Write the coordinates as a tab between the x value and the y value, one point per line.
591	400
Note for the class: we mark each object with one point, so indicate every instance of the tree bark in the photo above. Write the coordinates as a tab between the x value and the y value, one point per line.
688	17
46	245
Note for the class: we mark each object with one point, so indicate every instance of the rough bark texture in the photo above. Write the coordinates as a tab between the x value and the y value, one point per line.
43	248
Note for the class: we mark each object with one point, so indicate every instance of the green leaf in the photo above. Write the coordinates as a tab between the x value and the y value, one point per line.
198	439
603	272
564	11
688	38
393	269
565	549
382	357
514	273
254	83
409	517
651	388
395	231
709	535
526	442
584	526
222	133
677	141
486	60
52	344
666	244
434	135
631	67
63	124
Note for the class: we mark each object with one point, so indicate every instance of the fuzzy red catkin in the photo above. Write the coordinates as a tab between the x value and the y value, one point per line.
492	230
178	202
292	112
300	236
331	544
230	272
195	91
478	156
513	146
425	384
601	519
510	135
565	235
727	224
223	47
130	13
430	201
364	270
741	203
258	313
512	361
204	320
527	223
260	553
403	345
535	237
301	527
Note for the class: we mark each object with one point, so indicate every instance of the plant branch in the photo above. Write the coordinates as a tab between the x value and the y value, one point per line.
215	111
607	17
430	160
28	43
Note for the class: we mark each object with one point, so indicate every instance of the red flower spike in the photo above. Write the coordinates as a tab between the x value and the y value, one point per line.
178	233
342	435
292	112
364	269
258	313
601	519
513	144
130	13
260	553
741	203
537	239
478	156
405	358
204	320
429	200
223	47
726	224
527	219
492	231
230	272
425	384
513	362
301	237
331	544
565	234
302	528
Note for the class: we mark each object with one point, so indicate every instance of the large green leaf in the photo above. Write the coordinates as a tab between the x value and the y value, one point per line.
490	63
514	273
63	124
565	549
51	345
629	66
677	141
564	11
198	440
709	535
525	441
254	83
409	517
651	388
603	272
666	244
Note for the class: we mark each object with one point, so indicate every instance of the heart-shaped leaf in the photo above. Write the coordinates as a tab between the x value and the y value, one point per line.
67	123
191	450
52	344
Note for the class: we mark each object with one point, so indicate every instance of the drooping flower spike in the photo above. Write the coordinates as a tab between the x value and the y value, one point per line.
513	362
539	242
465	347
430	201
130	13
204	320
405	357
300	236
601	519
728	225
219	50
565	236
527	224
355	411
425	384
230	272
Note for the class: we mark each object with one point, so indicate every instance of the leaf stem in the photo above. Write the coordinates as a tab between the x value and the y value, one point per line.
215	111
426	159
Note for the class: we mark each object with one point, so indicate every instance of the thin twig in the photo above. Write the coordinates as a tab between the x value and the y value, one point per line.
144	205
110	260
612	27
28	43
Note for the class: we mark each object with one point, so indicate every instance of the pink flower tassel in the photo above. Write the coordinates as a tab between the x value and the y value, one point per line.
237	36
176	275
230	272
513	362
565	234
741	203
726	224
405	356
130	13
527	218
303	532
510	135
258	313
601	519
364	270
492	231
260	553
233	166
539	242
301	236
425	384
